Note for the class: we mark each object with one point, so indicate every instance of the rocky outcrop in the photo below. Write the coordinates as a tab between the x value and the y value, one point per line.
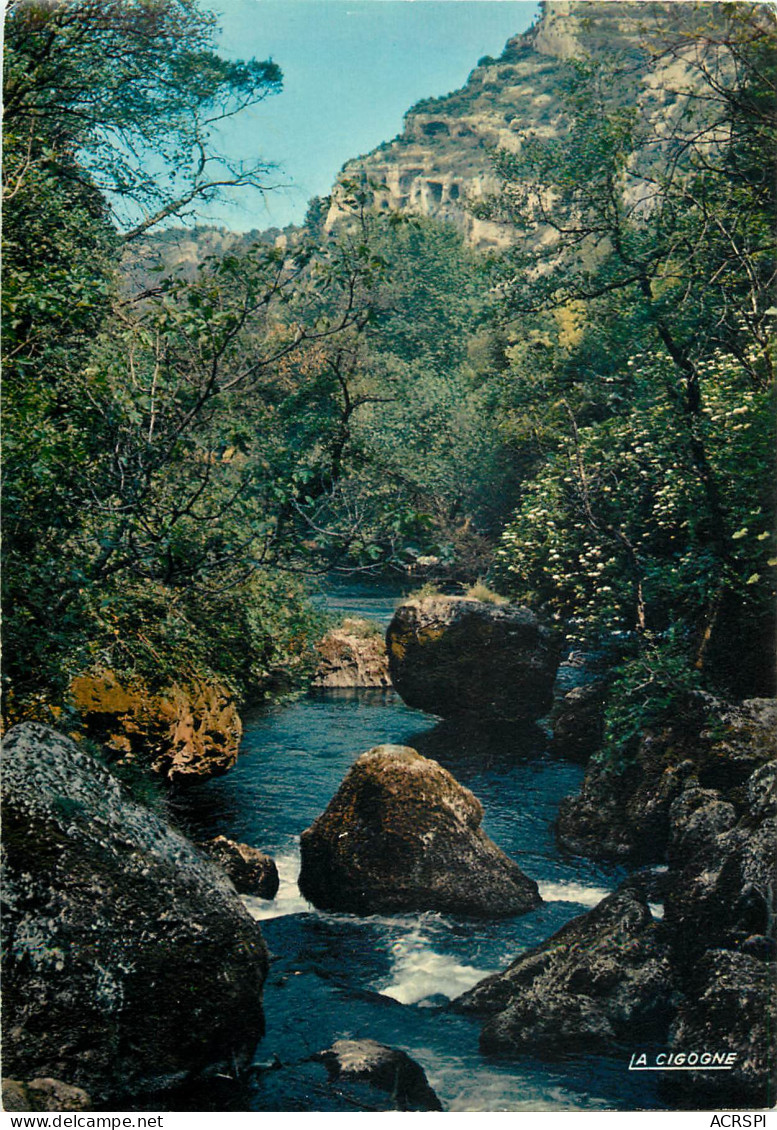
729	1003
720	909
252	872
703	978
456	656
623	811
184	733
129	962
383	1068
603	978
578	722
442	162
44	1095
353	655
402	834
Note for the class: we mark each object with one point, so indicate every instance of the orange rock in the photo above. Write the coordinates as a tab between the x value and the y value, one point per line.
352	655
185	732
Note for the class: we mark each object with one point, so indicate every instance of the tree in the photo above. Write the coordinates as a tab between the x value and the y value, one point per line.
124	96
114	475
648	303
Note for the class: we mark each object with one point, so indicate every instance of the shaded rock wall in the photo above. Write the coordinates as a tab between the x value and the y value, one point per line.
623	812
701	979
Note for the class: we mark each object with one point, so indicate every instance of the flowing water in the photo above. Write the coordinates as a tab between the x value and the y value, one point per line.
389	978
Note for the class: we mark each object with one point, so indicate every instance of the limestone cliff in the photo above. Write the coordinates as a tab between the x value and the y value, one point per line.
441	163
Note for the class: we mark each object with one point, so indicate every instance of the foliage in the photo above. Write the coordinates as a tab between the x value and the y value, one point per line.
178	450
651	690
125	483
124	94
640	387
256	638
345	401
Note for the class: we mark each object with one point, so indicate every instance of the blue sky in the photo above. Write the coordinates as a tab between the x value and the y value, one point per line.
351	69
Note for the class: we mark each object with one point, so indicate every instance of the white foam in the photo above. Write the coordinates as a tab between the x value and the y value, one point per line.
656	909
419	972
288	899
573	892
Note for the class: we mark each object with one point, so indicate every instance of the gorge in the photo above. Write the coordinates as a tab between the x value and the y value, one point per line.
505	402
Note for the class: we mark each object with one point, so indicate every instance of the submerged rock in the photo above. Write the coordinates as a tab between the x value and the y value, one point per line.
386	1069
129	962
604	977
184	733
402	834
455	656
252	872
353	655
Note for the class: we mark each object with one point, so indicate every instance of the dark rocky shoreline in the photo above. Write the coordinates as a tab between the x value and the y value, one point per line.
130	964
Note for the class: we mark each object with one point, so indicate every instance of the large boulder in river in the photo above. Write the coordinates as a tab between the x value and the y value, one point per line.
353	655
603	978
402	834
456	656
129	961
386	1069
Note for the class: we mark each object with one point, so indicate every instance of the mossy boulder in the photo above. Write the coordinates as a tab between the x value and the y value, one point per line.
383	1069
129	962
455	656
43	1095
401	833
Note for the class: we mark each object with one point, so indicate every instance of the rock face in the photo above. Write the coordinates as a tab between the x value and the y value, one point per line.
129	962
578	722
731	998
184	733
441	162
626	814
384	1068
353	655
402	834
252	872
44	1095
720	910
704	977
454	656
604	977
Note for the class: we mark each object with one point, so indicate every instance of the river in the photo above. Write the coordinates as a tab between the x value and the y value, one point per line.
390	977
